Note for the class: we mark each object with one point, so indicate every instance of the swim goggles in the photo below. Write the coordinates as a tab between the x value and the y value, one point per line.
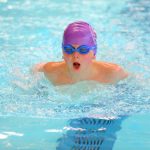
83	49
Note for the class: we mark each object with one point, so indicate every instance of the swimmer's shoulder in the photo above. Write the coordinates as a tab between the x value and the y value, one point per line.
112	71
53	67
56	72
107	66
116	72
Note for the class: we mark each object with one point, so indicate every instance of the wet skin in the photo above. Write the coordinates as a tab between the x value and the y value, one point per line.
79	67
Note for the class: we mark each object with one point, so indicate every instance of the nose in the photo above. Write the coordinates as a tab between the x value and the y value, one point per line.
76	55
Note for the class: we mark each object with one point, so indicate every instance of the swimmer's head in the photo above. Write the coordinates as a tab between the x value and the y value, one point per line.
79	33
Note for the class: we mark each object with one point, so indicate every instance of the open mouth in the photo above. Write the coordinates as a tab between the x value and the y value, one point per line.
76	65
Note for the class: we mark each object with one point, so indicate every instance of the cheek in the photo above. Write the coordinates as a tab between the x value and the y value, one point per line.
67	58
87	59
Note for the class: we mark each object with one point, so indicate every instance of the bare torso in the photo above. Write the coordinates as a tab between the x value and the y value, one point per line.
105	73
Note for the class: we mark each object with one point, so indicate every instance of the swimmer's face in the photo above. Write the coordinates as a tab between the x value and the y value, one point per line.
77	61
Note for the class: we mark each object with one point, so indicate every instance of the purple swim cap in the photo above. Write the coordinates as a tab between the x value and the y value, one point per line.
80	33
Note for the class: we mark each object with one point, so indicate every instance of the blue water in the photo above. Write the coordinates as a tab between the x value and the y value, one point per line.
35	115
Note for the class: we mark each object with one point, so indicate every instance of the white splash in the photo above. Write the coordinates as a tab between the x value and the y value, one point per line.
13	134
101	129
74	129
3	136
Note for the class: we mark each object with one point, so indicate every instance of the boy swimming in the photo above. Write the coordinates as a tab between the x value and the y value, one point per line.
79	48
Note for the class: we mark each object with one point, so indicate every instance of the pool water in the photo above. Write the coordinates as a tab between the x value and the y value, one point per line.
35	115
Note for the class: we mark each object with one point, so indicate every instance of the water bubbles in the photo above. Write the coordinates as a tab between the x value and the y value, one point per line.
34	37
